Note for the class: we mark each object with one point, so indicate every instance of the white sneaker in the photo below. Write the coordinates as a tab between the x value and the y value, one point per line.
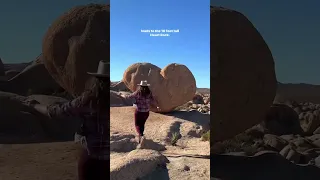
139	139
142	141
139	146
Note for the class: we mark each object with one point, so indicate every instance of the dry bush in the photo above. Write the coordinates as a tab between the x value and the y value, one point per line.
250	143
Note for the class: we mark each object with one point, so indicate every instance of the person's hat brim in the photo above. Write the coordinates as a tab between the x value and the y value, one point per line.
143	85
98	75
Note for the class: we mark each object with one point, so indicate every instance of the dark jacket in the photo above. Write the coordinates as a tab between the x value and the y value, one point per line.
95	123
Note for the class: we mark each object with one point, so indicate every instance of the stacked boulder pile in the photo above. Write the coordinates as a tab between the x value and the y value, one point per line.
287	130
201	103
309	116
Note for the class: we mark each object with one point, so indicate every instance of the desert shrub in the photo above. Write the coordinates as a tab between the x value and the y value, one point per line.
206	136
174	138
241	143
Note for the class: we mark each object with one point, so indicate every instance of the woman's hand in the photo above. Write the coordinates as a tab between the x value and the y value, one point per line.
31	102
121	94
43	109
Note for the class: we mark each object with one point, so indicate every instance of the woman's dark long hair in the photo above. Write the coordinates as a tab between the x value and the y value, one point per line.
145	91
97	93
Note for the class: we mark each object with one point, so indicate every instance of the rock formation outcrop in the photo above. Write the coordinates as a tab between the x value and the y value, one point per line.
75	43
242	74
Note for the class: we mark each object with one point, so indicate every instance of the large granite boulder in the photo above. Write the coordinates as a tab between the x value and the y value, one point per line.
243	80
171	86
75	43
282	119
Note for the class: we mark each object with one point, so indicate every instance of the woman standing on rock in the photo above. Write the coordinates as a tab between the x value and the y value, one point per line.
143	100
93	107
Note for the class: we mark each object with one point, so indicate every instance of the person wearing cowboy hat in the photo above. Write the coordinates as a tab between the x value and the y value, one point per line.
143	100
93	137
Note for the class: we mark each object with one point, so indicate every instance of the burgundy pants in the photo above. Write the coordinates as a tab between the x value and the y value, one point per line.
92	169
140	119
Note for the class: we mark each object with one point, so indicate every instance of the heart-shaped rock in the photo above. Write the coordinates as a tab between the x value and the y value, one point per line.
172	86
75	43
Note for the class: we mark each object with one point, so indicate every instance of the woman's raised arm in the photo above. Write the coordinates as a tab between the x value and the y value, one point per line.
70	108
130	96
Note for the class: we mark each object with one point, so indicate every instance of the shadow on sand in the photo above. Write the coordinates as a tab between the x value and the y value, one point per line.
193	116
266	166
34	127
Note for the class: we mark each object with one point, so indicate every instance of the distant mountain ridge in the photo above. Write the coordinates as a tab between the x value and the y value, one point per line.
300	92
203	90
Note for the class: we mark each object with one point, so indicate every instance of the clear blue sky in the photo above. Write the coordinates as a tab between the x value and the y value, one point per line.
291	29
23	24
191	46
